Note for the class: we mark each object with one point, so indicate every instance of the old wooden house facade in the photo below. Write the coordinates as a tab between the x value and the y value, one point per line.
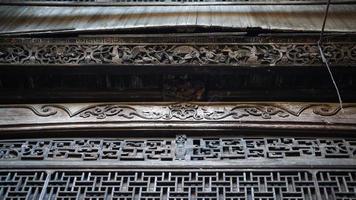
177	100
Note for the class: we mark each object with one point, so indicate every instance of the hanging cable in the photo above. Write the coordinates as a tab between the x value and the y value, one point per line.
323	58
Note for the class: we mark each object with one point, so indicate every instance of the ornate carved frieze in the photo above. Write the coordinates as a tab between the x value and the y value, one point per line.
164	114
315	184
232	51
181	148
183	111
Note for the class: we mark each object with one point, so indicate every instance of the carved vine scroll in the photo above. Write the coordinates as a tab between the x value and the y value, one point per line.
183	111
188	115
119	51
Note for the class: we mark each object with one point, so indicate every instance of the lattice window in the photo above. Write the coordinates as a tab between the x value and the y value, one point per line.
188	184
179	148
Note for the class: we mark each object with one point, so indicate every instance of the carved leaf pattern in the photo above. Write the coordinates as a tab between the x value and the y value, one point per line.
186	111
259	54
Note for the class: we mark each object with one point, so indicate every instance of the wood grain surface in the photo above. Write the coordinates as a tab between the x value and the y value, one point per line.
275	17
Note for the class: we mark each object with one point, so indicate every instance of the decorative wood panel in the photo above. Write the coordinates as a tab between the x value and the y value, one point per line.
179	184
182	151
229	51
184	115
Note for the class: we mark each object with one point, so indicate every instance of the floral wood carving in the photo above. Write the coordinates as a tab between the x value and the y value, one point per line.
185	111
155	53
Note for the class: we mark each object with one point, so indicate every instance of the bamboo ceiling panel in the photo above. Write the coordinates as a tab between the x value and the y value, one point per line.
276	17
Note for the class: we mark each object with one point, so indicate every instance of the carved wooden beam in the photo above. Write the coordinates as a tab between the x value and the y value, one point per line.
178	115
173	50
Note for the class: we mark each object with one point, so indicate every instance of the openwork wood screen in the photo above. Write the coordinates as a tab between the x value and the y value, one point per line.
183	115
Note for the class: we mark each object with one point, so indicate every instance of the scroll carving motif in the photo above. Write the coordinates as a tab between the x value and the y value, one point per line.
182	111
185	111
177	54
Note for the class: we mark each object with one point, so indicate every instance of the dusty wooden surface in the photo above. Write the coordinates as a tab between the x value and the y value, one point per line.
278	17
147	116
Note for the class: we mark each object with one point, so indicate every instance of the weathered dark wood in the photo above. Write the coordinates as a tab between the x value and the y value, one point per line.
176	50
179	67
180	152
17	19
47	84
149	116
186	134
166	2
138	183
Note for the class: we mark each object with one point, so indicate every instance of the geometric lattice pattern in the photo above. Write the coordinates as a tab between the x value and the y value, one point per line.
242	148
179	148
187	184
337	185
84	149
182	185
21	184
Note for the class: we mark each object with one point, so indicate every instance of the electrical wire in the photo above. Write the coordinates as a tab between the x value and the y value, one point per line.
323	58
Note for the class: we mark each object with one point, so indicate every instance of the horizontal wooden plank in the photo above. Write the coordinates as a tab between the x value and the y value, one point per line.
167	2
257	115
278	17
179	50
